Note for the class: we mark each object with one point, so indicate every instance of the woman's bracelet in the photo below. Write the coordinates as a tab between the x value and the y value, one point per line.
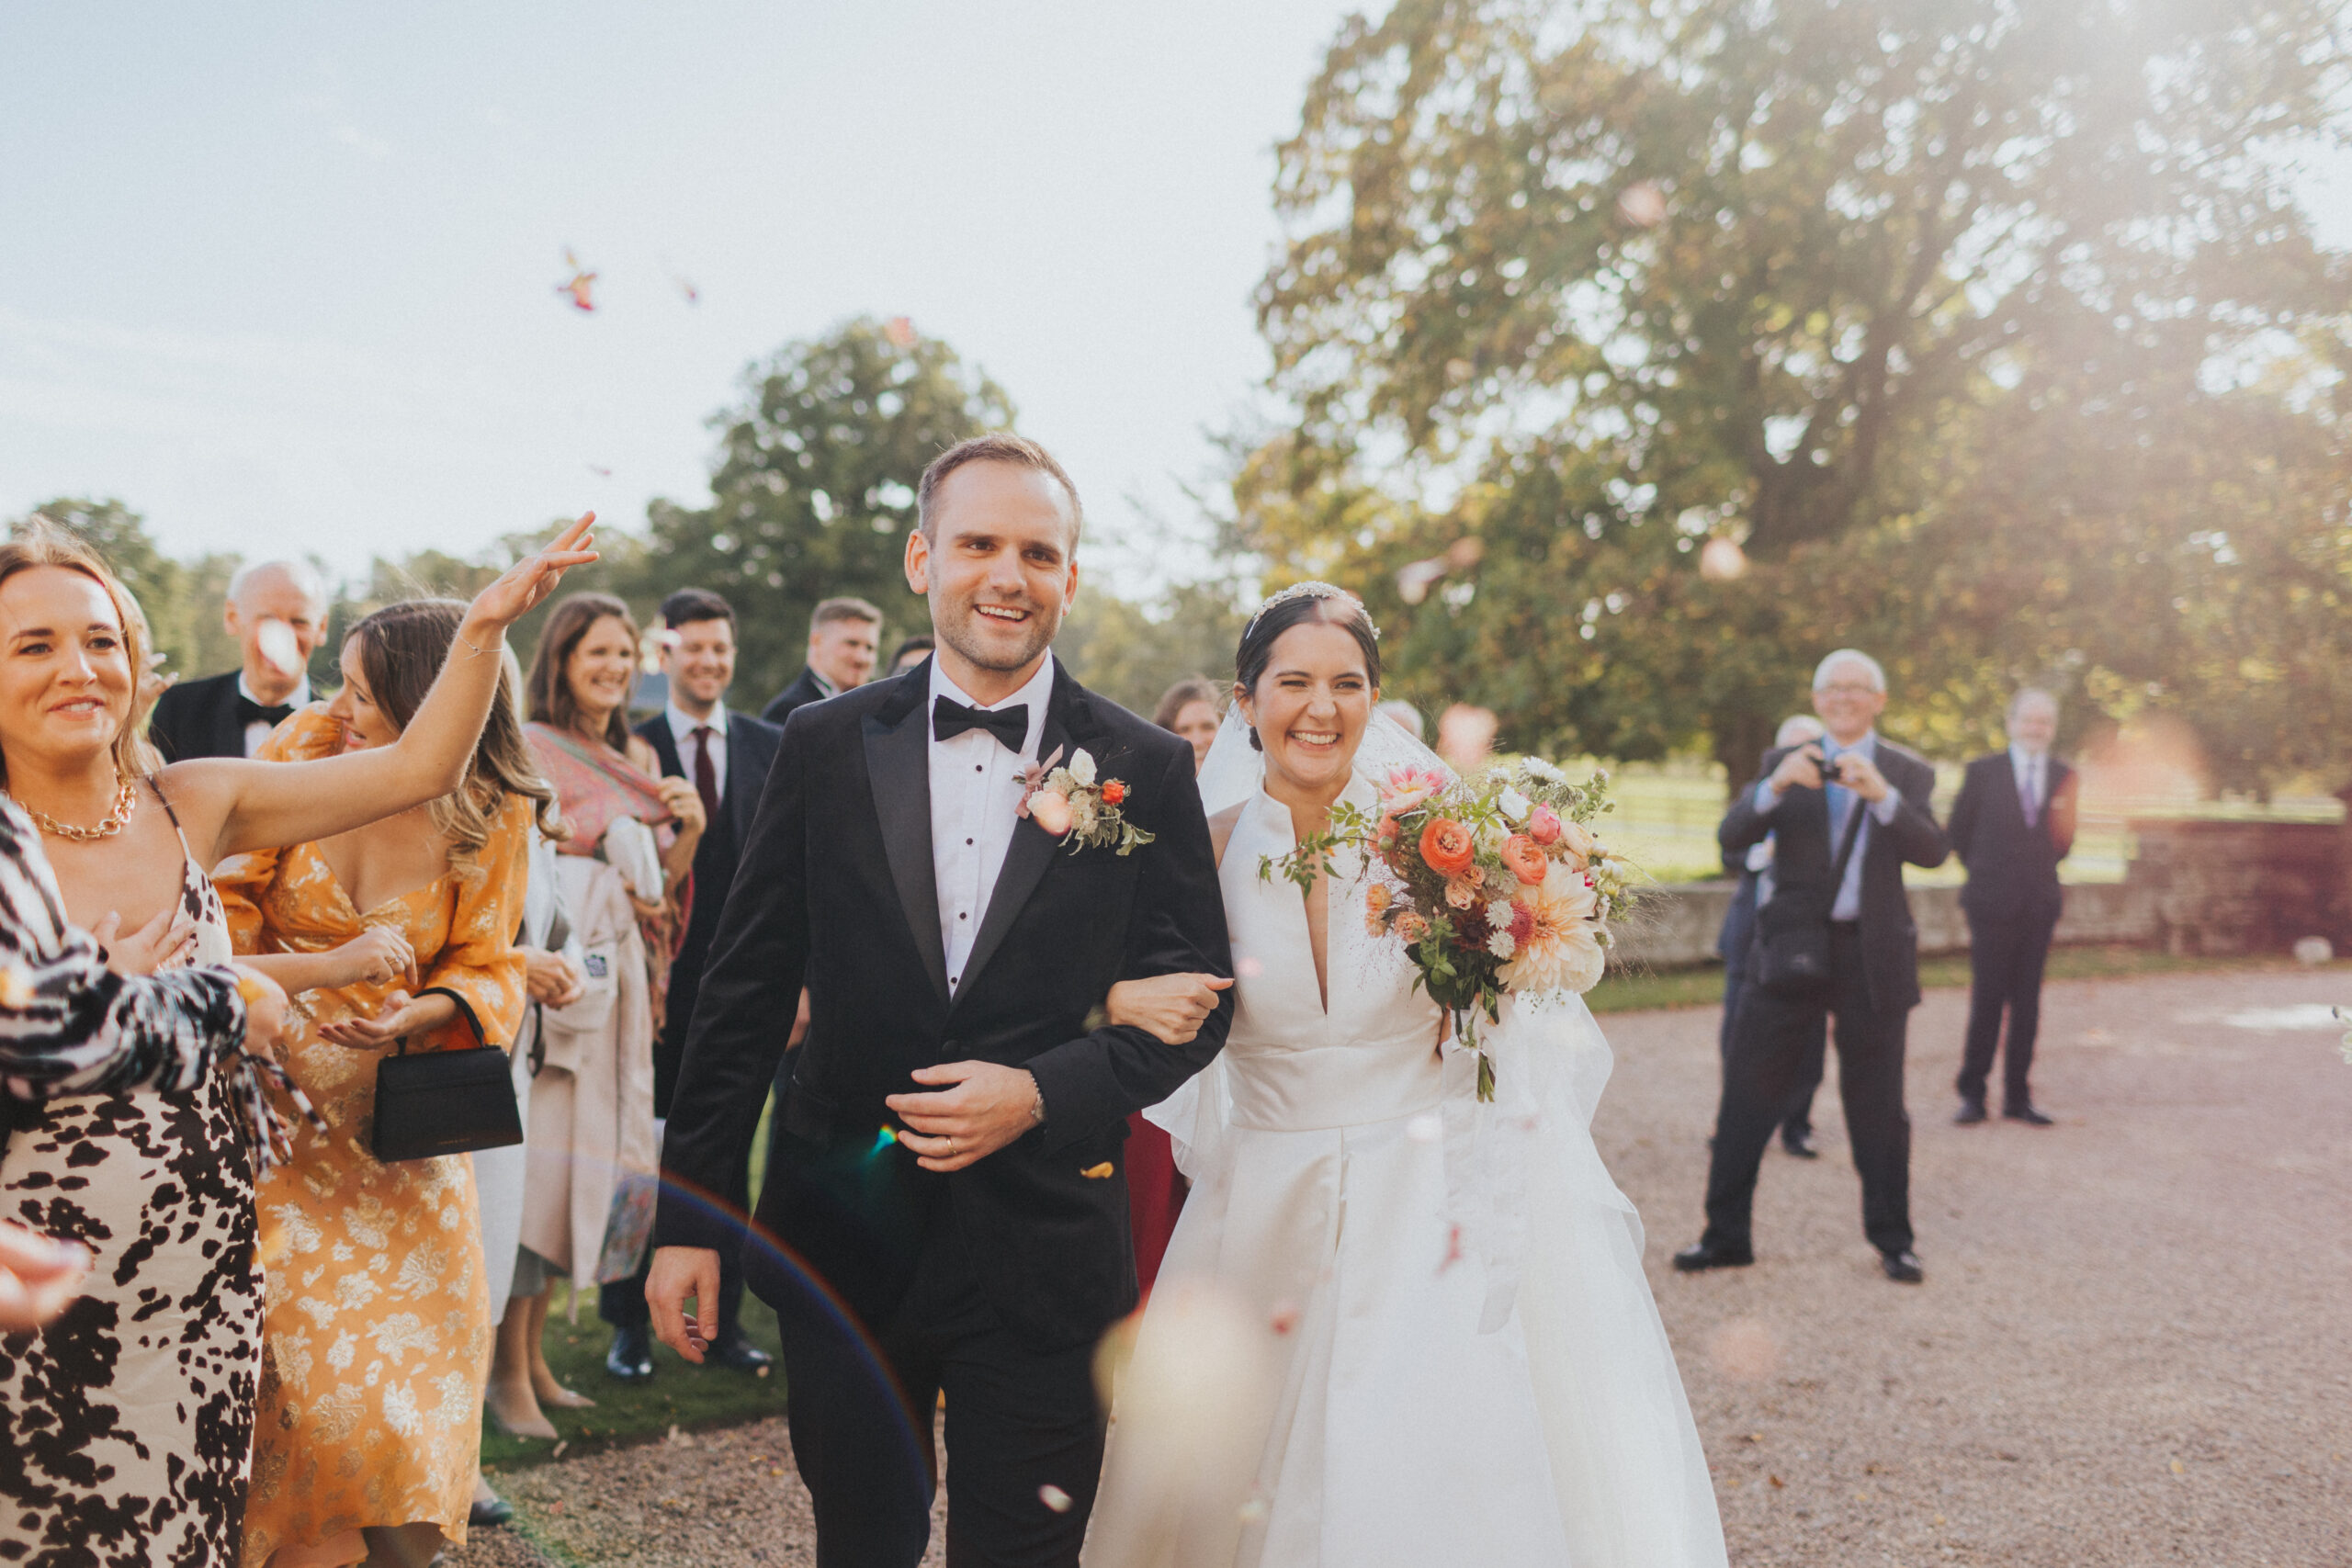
478	652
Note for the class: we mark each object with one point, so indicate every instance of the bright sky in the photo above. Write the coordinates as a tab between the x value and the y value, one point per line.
283	278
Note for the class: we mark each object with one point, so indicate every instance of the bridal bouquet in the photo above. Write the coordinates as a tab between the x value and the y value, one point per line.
1495	884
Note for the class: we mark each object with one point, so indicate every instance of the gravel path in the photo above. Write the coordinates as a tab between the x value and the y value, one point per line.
2135	1346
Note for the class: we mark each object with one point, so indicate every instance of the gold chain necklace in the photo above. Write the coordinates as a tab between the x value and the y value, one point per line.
117	820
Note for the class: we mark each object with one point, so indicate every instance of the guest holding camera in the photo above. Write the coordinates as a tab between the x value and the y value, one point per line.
1833	940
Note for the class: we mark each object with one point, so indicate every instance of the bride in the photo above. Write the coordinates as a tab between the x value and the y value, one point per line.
1439	1345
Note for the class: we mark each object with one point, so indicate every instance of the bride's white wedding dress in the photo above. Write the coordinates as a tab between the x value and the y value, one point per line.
1459	1358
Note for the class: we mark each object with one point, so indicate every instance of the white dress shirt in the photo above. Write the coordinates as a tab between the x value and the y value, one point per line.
976	792
1849	905
682	730
2033	772
258	731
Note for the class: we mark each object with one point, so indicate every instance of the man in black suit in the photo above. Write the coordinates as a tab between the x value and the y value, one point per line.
843	637
1812	798
948	1206
278	611
1733	941
727	755
2013	823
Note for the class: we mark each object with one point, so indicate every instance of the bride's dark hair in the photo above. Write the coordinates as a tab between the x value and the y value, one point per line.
1336	608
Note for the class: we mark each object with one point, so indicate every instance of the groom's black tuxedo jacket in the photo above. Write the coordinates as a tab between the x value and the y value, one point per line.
837	887
1802	855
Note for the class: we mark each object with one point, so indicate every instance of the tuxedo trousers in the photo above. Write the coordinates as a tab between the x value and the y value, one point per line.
1767	1053
2007	954
1735	941
1024	1431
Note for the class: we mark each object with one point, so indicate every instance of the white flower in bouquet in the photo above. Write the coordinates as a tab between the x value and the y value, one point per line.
1499	913
1537	768
1513	805
1502	944
1081	767
1560	948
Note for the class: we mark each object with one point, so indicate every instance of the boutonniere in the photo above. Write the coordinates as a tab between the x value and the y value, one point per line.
1069	804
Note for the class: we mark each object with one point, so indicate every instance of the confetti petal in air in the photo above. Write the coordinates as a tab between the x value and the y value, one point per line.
1285	1316
600	471
1641	204
1053	1497
17	987
900	330
579	286
1746	1349
1453	1249
1415	580
1722	561
686	288
277	644
1251	1512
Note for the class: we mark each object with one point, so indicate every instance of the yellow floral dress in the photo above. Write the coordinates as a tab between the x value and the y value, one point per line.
377	1330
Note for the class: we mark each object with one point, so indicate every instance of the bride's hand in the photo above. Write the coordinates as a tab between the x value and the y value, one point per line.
1171	1007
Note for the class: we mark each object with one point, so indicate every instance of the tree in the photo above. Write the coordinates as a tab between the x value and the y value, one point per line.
815	490
1611	280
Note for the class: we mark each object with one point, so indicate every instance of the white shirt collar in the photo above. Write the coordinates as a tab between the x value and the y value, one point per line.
683	724
1867	746
1035	692
823	684
301	698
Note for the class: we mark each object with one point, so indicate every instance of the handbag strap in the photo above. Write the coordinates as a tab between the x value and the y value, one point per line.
1846	850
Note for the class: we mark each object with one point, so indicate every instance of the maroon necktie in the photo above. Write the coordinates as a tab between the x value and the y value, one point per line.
705	775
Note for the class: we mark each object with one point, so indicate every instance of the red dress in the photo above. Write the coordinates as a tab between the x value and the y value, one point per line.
1155	1194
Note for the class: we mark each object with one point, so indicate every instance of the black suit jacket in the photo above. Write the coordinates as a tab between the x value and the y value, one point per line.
198	718
803	691
2012	867
751	747
1802	856
837	887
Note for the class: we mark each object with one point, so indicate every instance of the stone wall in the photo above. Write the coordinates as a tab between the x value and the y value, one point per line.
2194	887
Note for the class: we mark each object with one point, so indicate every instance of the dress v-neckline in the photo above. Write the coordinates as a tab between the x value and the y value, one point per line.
352	904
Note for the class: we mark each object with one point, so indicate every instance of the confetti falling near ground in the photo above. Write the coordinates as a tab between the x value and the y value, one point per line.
900	330
1053	1497
1722	561
1641	204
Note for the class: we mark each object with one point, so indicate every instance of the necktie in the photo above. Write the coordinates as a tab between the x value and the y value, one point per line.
705	775
252	712
1842	799
950	719
2029	797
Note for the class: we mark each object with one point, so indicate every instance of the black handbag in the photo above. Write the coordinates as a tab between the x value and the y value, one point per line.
444	1102
1792	930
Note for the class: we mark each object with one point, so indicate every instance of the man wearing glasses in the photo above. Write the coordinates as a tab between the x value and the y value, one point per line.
1846	812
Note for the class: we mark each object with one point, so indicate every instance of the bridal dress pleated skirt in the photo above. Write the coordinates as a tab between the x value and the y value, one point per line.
1446	1349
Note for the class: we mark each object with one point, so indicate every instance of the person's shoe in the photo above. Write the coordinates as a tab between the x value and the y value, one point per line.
1799	1144
1903	1268
490	1513
631	1358
1970	1113
1705	1255
736	1353
2028	1115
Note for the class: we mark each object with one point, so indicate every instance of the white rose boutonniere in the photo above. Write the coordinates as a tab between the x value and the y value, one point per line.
1068	803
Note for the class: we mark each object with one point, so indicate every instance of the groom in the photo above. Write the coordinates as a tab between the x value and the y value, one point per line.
946	1187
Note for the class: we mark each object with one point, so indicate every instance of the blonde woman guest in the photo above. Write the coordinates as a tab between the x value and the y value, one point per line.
376	1339
587	1209
127	1423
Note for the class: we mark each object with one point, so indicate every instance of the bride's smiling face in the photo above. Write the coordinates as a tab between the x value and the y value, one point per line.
1310	709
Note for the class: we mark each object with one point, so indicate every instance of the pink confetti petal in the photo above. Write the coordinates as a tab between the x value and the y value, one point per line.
1053	1497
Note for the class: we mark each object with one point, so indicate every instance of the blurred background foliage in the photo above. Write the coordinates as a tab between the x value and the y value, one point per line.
1629	354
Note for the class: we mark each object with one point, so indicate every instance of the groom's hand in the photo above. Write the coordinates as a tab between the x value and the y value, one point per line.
680	1272
986	1107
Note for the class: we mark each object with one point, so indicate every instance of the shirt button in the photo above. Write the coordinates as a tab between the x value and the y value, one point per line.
967	840
961	915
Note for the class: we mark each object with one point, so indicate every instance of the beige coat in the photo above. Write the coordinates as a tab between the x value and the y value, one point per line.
592	1104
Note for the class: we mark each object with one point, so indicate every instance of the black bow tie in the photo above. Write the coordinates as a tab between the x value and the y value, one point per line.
950	719
250	710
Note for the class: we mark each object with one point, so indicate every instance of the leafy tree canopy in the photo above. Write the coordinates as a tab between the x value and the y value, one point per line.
1984	330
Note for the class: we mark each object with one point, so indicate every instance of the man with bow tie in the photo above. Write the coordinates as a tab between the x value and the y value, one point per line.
2013	823
278	611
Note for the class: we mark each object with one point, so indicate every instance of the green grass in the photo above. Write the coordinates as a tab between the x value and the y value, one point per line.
679	1395
1703	986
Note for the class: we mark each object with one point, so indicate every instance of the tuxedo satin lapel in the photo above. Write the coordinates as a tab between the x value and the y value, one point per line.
1031	854
898	765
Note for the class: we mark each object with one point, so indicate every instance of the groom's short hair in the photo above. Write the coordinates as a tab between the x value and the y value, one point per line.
999	447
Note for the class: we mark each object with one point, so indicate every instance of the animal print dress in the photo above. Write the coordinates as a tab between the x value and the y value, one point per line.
126	1426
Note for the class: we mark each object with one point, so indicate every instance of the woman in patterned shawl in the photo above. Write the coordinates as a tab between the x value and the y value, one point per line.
376	1340
126	1426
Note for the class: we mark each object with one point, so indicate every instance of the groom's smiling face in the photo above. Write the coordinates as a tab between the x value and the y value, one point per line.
998	570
